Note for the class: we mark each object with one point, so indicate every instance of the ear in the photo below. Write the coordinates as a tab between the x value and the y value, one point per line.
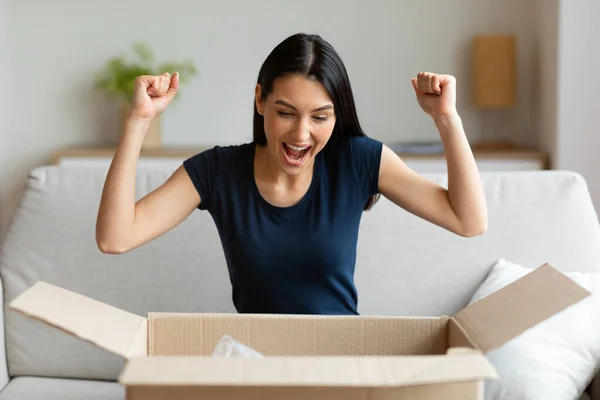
258	99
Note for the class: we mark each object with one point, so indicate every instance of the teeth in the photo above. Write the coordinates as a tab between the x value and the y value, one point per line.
296	147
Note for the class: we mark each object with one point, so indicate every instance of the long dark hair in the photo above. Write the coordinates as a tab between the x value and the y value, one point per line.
313	57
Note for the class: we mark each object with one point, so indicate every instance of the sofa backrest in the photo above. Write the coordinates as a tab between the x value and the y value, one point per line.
405	266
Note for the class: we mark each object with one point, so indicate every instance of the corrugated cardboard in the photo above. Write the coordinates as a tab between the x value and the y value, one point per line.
497	318
110	328
197	334
307	356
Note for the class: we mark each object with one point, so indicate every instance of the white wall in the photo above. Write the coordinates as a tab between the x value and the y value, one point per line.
578	127
5	207
568	110
4	79
57	47
546	83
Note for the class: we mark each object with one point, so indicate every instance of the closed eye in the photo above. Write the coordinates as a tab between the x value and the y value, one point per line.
320	118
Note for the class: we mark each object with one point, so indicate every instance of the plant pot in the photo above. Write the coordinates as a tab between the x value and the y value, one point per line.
153	137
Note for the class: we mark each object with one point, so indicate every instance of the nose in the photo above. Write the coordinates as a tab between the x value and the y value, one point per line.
302	132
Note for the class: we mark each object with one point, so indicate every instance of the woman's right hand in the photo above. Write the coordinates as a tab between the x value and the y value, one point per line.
152	94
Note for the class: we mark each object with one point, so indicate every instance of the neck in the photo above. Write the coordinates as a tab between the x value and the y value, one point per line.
267	169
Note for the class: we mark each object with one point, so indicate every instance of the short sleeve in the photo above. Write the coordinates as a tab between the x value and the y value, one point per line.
366	157
201	169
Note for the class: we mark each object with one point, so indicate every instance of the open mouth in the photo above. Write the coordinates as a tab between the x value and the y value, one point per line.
295	155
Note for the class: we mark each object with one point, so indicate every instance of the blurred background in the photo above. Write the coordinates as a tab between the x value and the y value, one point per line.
543	53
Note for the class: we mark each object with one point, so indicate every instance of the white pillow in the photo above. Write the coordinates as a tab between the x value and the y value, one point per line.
555	359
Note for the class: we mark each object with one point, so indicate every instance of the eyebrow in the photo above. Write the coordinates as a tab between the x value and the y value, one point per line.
285	103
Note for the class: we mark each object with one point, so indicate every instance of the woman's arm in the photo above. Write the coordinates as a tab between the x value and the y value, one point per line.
122	224
462	207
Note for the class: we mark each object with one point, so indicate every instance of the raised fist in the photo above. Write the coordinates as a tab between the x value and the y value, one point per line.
436	93
153	93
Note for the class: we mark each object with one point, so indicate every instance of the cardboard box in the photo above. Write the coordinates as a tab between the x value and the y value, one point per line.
169	355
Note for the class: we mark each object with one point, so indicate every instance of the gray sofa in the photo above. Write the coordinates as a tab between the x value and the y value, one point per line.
405	266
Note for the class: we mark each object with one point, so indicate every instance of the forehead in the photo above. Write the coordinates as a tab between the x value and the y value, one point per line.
300	91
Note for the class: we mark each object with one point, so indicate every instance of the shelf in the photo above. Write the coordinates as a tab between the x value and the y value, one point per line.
186	152
487	160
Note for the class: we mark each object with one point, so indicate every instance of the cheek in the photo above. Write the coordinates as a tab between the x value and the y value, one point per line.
322	132
275	127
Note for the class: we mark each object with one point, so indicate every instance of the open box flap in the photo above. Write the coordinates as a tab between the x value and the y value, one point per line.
105	326
493	320
303	371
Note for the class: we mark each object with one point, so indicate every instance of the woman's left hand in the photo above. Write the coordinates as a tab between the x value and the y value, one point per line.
436	93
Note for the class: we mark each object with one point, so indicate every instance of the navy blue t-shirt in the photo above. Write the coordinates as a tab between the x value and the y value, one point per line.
290	260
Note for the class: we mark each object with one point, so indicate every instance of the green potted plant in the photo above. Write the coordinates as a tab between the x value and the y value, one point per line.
118	79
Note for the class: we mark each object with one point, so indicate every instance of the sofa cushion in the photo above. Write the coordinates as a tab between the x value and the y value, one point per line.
33	388
52	238
553	360
408	266
405	266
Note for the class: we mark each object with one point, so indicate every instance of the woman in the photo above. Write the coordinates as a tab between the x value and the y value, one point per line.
288	205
